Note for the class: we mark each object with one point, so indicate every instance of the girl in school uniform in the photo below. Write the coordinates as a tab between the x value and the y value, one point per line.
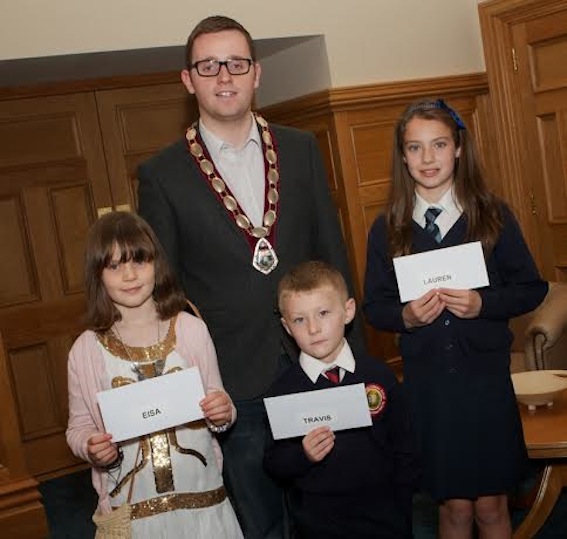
455	344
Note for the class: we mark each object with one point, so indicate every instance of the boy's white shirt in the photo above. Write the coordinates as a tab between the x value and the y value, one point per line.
314	368
448	203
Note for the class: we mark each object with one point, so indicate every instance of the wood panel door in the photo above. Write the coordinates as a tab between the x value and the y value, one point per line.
541	52
52	180
136	123
526	49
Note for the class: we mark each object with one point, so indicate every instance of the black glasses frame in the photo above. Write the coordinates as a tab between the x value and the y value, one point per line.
219	63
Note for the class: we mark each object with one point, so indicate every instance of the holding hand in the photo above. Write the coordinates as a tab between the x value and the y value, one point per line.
217	407
424	310
101	450
462	303
318	443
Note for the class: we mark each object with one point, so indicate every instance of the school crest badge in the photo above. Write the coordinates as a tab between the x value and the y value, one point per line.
376	397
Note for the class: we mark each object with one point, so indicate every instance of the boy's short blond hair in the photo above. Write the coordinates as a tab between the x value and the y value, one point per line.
308	276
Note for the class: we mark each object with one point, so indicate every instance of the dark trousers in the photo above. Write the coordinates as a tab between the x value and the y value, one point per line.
256	498
373	515
260	503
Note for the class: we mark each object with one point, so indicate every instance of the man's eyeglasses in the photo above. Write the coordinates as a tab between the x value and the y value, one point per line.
211	68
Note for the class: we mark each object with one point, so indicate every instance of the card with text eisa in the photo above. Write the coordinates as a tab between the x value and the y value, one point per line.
152	405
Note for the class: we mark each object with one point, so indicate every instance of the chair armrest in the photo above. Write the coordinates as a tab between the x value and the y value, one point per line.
548	325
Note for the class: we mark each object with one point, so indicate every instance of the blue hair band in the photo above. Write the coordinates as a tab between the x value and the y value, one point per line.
440	104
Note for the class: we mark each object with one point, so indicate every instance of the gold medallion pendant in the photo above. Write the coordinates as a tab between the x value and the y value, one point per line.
265	259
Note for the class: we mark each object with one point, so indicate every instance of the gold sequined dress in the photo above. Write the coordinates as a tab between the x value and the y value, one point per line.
178	489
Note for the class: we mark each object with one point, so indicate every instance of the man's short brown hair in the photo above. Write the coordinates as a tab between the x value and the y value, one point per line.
310	275
212	25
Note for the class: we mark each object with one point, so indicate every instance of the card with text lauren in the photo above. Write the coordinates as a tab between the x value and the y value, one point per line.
343	407
461	267
152	405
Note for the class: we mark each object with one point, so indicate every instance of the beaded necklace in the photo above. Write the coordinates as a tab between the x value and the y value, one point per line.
264	258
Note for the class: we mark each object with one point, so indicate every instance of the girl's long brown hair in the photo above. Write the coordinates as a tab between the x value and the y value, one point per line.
481	208
136	241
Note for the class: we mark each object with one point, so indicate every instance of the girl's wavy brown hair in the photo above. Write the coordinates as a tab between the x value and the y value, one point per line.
135	241
481	208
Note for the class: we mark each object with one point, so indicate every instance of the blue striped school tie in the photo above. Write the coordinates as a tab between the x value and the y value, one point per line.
430	227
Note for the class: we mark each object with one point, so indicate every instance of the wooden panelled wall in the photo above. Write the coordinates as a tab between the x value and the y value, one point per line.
64	159
354	127
69	152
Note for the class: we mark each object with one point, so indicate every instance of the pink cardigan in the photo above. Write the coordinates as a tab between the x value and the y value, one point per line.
87	375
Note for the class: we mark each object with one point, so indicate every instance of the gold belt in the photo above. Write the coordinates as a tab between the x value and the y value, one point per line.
171	502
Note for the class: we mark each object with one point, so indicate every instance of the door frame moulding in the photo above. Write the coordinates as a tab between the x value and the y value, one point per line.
497	17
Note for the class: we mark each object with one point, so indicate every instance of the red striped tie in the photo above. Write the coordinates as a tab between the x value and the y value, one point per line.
333	375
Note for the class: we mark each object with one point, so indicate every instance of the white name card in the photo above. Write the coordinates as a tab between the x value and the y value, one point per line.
342	407
460	267
152	405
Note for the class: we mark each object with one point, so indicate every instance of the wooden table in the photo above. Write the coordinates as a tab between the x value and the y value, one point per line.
545	431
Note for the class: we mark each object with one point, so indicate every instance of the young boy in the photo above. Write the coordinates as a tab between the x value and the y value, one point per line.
350	483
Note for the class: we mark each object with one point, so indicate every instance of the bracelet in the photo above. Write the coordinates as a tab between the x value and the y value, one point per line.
116	463
217	429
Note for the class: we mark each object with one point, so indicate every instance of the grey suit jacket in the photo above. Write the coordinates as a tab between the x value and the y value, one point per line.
213	259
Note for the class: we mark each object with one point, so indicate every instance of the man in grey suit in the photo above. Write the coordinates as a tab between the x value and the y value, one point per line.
236	204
